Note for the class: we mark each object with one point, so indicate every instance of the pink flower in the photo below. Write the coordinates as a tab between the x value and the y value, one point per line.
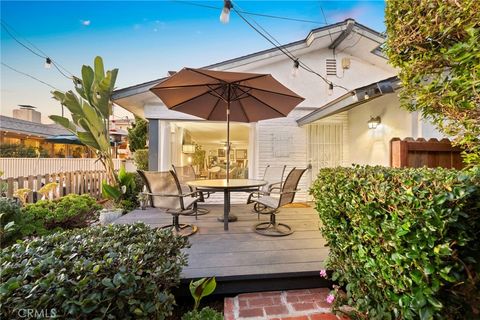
323	273
330	298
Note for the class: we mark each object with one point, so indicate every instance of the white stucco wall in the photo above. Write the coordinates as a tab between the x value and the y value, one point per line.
372	146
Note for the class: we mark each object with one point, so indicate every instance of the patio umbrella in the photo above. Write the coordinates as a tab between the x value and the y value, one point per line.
64	139
226	96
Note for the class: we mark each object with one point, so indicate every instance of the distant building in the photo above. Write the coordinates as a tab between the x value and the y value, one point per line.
28	113
25	128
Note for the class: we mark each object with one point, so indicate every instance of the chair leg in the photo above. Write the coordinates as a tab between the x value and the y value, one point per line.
273	228
181	229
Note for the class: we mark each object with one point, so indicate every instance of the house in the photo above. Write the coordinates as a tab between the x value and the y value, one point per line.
351	123
26	128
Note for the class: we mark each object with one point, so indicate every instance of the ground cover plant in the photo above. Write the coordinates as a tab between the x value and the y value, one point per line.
113	272
46	216
403	242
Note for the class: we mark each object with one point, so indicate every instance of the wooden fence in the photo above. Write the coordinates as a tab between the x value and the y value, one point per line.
418	153
78	182
23	167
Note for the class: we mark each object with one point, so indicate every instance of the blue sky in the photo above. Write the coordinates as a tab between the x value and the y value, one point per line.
145	39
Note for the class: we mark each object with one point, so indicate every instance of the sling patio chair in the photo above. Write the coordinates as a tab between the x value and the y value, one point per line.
271	205
165	192
274	178
185	174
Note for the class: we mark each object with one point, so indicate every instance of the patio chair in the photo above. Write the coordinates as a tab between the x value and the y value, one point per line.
165	192
271	205
185	174
274	178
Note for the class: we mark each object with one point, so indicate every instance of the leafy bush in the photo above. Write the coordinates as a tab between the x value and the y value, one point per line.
68	212
137	134
140	157
113	272
204	314
15	150
9	218
436	46
404	242
45	216
125	194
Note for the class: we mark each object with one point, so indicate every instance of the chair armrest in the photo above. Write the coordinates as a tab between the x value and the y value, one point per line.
162	194
283	192
172	195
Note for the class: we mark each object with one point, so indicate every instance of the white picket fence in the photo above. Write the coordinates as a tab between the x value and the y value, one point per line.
24	167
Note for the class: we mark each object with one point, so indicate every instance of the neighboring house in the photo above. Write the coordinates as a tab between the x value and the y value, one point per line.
25	128
327	129
35	134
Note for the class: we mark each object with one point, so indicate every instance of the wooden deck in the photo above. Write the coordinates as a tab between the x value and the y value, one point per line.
240	258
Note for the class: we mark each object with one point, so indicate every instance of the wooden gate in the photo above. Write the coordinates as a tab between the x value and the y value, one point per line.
418	153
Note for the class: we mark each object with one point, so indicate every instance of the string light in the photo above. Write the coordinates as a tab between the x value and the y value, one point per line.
330	89
296	65
283	49
48	63
225	15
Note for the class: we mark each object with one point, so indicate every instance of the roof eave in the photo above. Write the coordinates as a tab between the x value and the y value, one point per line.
346	102
143	87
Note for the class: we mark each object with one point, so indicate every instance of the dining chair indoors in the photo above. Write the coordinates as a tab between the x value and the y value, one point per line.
270	205
165	192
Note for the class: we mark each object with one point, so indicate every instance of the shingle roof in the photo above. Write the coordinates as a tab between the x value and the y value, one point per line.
27	127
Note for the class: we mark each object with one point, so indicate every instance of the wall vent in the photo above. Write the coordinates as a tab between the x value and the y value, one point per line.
331	67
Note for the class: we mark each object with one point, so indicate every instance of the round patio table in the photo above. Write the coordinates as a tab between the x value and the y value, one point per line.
233	185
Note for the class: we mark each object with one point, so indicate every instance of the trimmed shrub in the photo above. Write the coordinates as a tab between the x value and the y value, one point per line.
206	313
68	212
112	272
140	157
403	242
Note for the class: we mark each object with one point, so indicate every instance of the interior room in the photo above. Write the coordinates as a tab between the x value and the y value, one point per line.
203	145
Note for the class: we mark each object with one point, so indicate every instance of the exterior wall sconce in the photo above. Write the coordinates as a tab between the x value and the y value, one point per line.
188	148
374	122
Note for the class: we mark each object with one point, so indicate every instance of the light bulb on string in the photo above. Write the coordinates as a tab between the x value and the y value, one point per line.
48	63
225	15
295	68
330	88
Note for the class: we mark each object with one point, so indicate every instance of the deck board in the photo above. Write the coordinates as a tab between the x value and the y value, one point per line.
240	252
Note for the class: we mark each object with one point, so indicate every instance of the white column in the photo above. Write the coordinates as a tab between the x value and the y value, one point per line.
164	159
153	144
252	152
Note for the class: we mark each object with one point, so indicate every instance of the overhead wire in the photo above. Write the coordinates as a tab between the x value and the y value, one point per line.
29	75
249	13
271	39
39	52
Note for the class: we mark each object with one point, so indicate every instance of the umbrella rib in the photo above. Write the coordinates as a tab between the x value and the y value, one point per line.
283	115
184	86
243	110
206	75
238	97
274	92
216	104
236	81
193	98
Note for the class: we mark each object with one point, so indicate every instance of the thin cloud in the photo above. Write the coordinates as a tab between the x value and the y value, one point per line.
355	13
85	23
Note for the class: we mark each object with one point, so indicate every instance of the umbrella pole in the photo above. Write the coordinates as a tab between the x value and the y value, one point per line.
228	140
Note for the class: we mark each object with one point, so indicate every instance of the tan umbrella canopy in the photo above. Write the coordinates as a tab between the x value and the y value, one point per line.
226	96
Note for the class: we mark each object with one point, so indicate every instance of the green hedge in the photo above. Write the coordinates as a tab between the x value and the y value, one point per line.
114	272
403	242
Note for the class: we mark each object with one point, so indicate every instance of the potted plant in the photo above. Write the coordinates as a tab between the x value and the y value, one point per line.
118	194
142	200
